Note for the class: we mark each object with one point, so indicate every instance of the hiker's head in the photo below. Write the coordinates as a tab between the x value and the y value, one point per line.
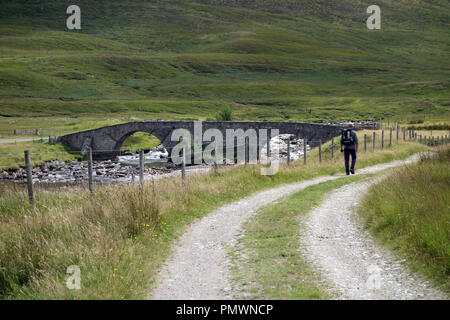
350	125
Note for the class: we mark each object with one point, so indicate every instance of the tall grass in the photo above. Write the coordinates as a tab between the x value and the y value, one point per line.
38	243
121	235
410	211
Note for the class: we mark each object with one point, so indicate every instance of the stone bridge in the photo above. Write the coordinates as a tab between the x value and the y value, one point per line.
106	141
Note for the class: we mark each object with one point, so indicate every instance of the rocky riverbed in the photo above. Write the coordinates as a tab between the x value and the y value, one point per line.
125	168
76	172
280	143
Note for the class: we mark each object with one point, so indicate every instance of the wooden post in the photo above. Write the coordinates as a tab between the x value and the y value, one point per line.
247	150
365	142
141	167
438	141
268	145
398	131
183	164
289	151
304	150
404	134
320	151
374	140
29	177
216	168
382	139
390	137
258	148
90	171
420	139
332	149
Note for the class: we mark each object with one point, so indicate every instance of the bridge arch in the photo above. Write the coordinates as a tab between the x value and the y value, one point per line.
107	141
150	140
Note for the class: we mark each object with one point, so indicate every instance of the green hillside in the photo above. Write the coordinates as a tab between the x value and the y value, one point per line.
267	59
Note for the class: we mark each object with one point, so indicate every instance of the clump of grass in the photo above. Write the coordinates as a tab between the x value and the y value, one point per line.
225	114
410	212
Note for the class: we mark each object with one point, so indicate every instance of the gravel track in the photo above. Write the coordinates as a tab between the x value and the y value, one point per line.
198	268
347	257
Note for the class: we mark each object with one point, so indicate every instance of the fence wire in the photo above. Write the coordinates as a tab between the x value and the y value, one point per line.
325	151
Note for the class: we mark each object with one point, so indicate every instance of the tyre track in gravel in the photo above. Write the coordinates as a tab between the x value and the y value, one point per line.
198	268
347	257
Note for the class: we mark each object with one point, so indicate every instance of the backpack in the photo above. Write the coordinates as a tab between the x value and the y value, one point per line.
347	137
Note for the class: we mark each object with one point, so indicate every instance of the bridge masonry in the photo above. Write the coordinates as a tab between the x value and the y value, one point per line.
106	142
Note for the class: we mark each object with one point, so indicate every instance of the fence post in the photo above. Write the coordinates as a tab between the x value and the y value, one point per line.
268	145
141	167
216	168
404	134
420	139
390	137
29	177
320	151
398	131
90	171
247	150
382	139
289	151
332	149
365	143
183	164
304	150
258	148
374	140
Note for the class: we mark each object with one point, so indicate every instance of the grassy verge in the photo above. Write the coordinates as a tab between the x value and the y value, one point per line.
266	262
409	212
120	236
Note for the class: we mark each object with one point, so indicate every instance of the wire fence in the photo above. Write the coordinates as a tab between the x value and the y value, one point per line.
88	170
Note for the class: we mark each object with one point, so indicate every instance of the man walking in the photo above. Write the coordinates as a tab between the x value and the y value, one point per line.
349	145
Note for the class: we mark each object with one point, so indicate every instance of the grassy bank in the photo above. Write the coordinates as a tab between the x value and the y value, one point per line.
293	60
409	212
120	236
12	154
267	263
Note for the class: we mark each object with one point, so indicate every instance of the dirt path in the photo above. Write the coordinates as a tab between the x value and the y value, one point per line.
348	258
18	140
198	268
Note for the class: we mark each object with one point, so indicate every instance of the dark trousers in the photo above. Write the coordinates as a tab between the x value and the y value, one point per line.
347	154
